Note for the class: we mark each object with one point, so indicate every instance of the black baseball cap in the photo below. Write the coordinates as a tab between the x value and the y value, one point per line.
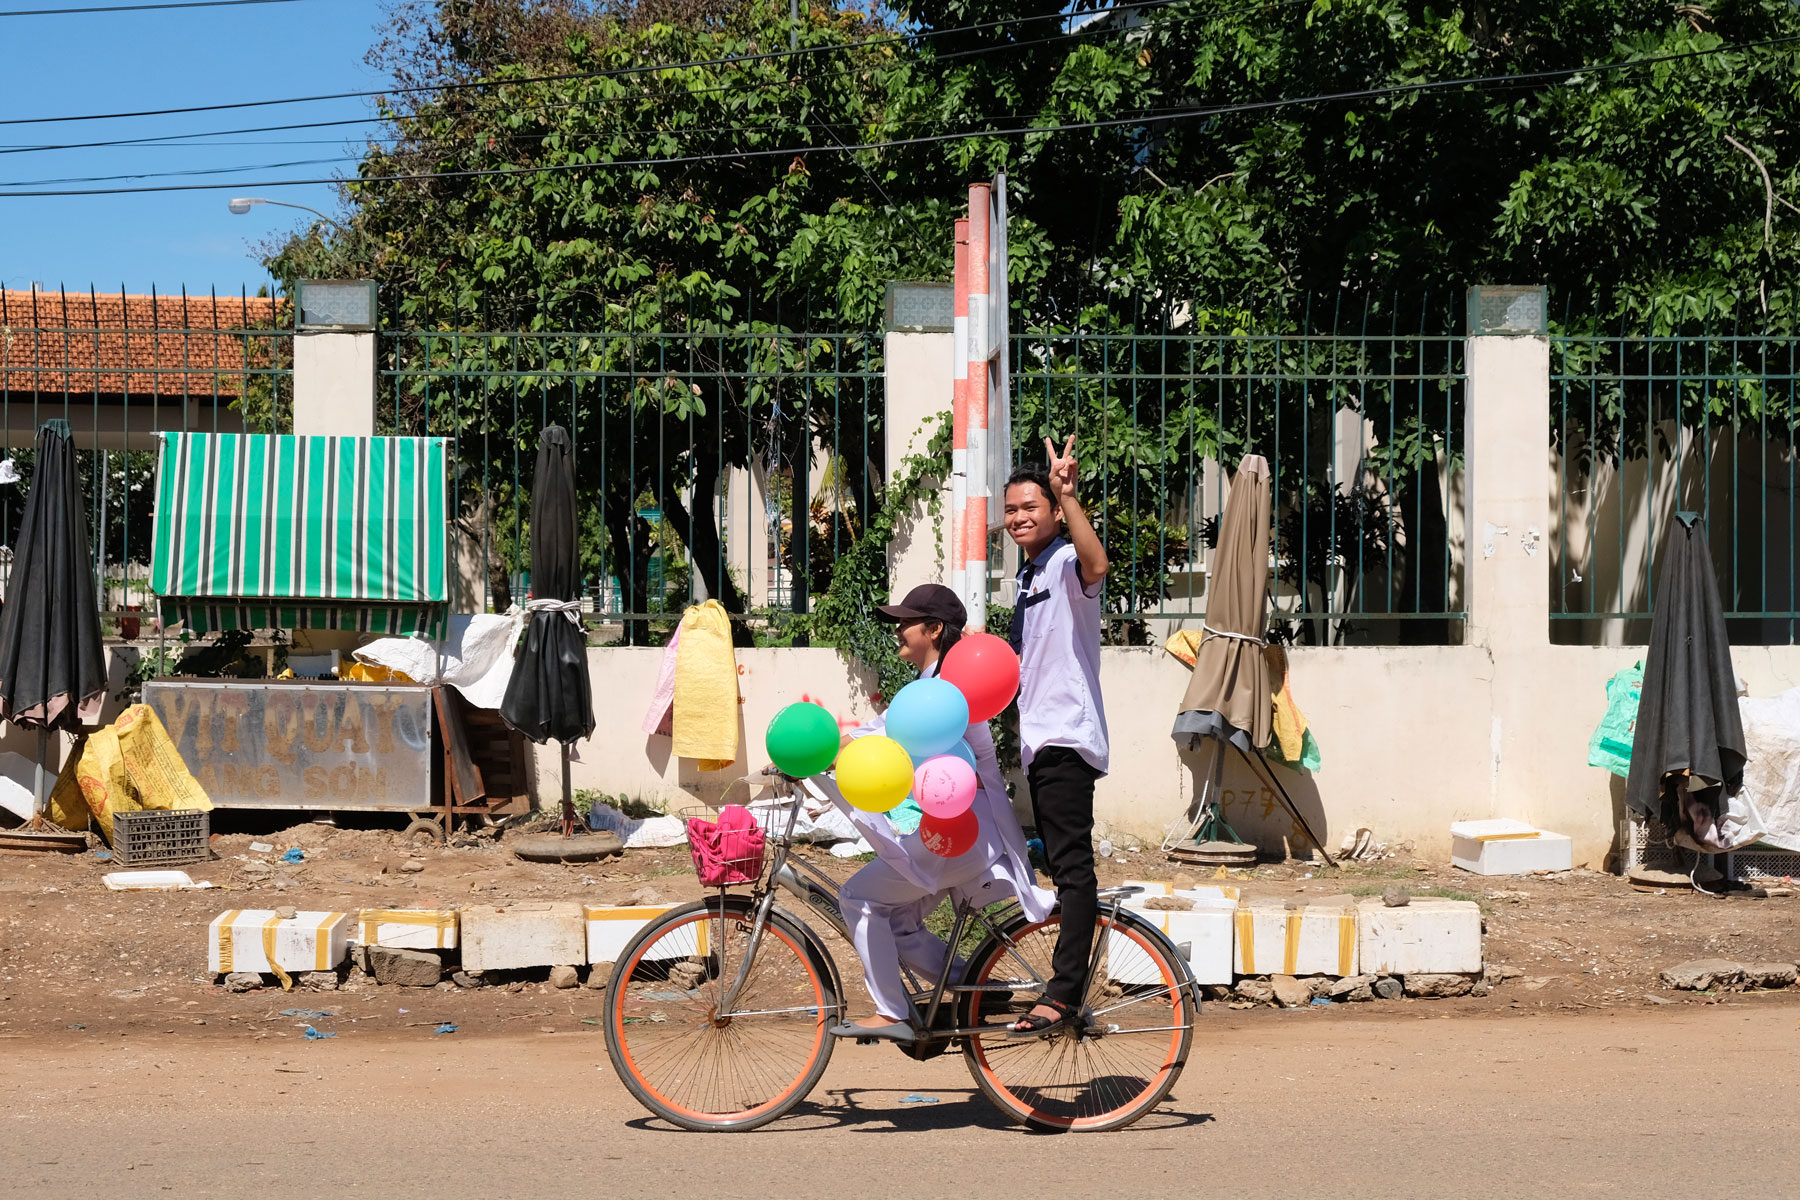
928	601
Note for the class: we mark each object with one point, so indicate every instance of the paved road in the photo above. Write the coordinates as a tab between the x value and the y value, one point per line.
1321	1103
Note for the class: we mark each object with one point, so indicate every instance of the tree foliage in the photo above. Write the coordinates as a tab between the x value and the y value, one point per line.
681	191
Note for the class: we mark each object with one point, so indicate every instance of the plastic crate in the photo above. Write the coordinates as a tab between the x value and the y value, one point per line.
161	837
1646	843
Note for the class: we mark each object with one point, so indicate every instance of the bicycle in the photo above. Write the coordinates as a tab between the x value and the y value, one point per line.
716	1013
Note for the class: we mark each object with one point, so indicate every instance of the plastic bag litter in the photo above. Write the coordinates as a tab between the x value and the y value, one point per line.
635	832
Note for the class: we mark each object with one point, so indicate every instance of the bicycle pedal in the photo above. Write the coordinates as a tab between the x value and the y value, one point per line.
867	1041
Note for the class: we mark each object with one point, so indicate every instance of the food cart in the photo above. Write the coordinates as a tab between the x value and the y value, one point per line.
260	531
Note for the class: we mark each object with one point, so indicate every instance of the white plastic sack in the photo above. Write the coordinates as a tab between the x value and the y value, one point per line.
638	833
816	822
1772	776
16	782
476	654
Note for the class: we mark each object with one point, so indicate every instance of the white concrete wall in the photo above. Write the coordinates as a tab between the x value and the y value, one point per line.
1407	736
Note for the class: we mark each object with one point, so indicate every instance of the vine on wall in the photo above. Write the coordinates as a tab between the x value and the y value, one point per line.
844	617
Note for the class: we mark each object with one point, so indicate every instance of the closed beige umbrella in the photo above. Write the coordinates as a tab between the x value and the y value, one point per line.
1231	676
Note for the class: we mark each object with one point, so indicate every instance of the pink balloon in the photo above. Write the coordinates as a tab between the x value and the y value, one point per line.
944	786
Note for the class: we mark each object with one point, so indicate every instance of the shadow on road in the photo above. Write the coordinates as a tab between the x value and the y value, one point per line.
888	1110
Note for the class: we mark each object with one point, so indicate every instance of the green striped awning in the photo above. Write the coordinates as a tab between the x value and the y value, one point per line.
258	532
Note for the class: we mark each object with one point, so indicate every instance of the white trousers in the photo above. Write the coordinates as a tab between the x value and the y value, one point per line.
886	914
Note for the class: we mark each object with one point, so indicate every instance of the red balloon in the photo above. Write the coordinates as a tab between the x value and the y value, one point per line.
948	837
985	669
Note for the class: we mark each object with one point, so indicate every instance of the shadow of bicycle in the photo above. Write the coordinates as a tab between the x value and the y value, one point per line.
893	1110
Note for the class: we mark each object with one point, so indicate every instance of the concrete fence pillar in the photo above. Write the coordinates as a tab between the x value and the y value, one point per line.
334	384
1507	551
918	348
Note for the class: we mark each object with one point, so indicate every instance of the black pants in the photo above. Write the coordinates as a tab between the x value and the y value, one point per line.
1062	800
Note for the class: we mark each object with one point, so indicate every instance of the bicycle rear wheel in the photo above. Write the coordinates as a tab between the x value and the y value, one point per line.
697	1066
1117	1067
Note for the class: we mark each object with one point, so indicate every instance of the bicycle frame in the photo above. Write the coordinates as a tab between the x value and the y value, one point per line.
784	870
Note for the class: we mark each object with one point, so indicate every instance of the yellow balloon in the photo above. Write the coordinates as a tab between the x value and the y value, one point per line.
874	773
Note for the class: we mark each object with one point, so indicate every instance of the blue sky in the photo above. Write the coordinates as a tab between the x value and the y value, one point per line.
113	62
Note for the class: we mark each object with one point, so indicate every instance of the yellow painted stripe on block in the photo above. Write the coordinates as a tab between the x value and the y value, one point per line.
322	939
628	913
1290	951
373	918
268	941
1509	837
1346	942
227	930
1246	941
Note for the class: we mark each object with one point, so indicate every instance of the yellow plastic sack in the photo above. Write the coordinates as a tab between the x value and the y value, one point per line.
362	672
705	724
130	765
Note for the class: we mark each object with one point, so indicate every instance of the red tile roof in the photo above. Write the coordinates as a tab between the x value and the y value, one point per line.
74	343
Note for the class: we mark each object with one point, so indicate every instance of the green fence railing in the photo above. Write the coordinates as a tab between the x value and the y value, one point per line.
699	454
1356	404
1648	425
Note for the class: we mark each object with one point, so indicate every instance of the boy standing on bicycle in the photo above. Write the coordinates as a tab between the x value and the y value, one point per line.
1062	722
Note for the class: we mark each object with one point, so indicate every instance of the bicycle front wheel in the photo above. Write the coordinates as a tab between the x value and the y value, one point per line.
692	1060
1123	1059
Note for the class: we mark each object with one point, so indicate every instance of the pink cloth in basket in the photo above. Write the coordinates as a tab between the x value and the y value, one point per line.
727	851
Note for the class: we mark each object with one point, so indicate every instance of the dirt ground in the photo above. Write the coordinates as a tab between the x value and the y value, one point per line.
1380	1100
76	959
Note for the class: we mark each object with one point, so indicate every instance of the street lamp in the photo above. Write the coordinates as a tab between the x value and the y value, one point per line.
243	204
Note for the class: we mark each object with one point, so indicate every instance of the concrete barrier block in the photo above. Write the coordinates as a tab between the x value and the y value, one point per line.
532	934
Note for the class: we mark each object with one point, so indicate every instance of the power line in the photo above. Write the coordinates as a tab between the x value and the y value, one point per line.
608	73
681	94
119	8
1425	86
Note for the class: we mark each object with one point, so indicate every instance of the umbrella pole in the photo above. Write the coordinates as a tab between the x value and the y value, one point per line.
568	804
1287	802
37	786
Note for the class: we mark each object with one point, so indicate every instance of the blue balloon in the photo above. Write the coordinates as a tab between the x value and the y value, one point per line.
927	717
962	751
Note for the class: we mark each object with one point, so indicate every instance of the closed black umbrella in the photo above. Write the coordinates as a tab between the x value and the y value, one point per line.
550	695
52	666
1688	747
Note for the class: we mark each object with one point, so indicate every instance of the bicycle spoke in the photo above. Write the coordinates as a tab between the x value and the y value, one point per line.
1097	1076
685	1060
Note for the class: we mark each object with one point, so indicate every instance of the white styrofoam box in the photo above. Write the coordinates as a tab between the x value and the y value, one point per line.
408	928
150	881
1507	847
527	934
255	939
611	927
1204	931
1426	936
1315	939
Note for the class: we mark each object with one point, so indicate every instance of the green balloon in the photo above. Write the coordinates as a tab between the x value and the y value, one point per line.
802	739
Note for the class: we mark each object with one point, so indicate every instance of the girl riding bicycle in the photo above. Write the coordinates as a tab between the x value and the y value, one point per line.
885	903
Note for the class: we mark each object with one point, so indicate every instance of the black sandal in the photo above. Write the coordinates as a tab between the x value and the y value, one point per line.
1032	1025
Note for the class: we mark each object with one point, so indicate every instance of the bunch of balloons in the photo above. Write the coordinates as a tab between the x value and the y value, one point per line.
922	753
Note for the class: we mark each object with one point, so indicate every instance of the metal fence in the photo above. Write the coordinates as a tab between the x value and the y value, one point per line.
1649	425
1358	407
119	369
699	453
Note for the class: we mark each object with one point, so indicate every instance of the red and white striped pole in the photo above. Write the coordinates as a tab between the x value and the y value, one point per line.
959	417
973	518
